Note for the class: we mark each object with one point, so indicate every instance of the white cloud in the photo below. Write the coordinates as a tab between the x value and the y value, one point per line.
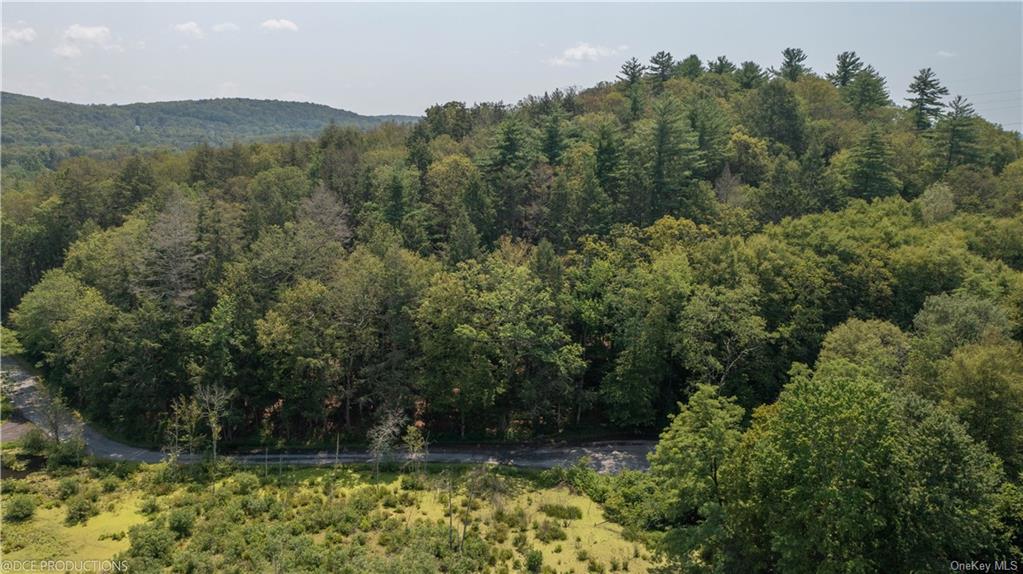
190	29
67	50
76	37
20	35
946	54
225	27
281	24
88	34
584	52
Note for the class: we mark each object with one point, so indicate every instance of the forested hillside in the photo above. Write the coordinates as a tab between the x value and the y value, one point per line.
43	131
823	272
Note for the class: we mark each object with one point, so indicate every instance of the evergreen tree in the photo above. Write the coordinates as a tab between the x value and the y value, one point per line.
791	65
609	158
722	65
774	113
418	147
925	103
662	67
750	75
956	135
690	67
395	209
134	183
631	74
553	138
711	125
463	239
847	66
866	91
871	174
663	156
508	170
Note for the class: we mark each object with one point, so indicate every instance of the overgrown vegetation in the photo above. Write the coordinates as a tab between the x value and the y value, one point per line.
165	517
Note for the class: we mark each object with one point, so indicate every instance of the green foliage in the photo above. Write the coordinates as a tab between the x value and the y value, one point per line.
19	507
42	122
561	511
79	510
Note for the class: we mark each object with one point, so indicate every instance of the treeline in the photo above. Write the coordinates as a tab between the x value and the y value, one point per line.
578	259
39	133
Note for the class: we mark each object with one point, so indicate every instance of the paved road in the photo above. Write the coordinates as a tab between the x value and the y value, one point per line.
29	398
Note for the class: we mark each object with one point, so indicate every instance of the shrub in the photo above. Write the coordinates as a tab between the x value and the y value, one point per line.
534	560
149	505
413	482
515	518
245	483
67	487
595	566
548	531
19	507
562	511
180	521
109	484
79	510
67	454
35	442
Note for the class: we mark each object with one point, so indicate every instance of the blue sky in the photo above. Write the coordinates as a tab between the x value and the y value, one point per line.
400	58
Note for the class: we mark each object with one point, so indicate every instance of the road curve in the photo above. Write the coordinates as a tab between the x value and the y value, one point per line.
29	398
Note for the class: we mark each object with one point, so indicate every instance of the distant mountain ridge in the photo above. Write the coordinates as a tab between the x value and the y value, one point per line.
28	121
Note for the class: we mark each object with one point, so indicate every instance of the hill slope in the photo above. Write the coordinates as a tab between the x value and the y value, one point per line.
31	121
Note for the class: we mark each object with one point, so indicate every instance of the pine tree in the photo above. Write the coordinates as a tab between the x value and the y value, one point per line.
871	174
792	65
691	67
955	136
417	146
631	74
750	75
722	65
609	156
847	66
463	239
553	138
866	91
926	102
662	68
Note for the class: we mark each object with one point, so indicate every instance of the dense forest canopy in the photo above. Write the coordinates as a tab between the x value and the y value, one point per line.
41	132
791	255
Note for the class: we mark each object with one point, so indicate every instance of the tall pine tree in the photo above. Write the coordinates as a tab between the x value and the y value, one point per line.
871	174
925	102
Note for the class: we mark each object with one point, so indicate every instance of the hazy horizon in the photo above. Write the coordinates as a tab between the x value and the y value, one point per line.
400	59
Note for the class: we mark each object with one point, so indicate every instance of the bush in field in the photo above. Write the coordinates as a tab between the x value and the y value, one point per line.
513	518
548	531
245	483
180	521
149	505
79	510
19	507
562	511
109	484
67	487
35	442
66	454
534	560
151	546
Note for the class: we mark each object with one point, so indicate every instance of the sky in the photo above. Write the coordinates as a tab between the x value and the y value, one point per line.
401	58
